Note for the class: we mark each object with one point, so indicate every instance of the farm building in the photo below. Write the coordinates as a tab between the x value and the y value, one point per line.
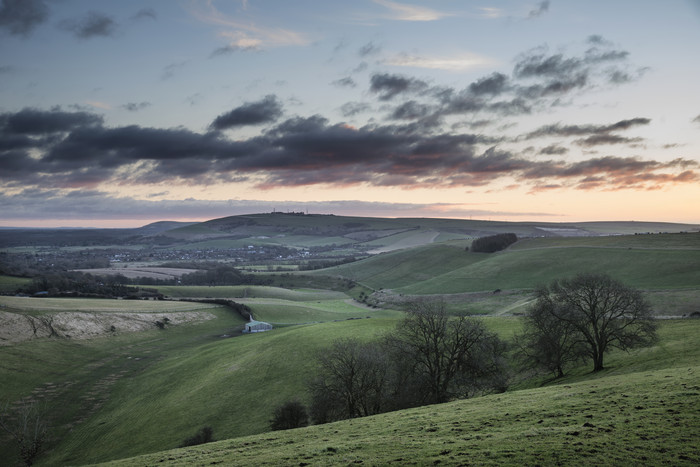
257	326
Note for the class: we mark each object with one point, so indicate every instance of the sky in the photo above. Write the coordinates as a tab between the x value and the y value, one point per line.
121	113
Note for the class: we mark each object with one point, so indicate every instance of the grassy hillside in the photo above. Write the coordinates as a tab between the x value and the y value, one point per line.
647	261
642	410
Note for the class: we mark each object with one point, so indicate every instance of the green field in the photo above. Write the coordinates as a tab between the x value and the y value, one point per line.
645	261
643	410
135	393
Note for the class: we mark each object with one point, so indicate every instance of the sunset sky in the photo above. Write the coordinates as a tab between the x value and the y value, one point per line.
120	113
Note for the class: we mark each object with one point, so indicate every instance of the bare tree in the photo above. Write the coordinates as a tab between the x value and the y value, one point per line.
548	342
604	312
27	426
448	355
352	381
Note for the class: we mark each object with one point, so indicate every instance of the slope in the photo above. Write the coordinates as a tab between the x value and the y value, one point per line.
643	410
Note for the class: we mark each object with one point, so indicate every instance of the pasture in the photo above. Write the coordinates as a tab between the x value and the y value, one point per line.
633	413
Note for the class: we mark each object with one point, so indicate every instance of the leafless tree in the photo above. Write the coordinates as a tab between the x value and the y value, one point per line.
604	312
26	425
450	356
548	342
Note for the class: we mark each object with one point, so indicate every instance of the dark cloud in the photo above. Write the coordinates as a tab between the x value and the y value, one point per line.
30	121
266	110
6	69
388	86
76	150
697	119
542	8
136	106
410	110
554	150
21	17
493	84
93	24
421	141
597	134
597	140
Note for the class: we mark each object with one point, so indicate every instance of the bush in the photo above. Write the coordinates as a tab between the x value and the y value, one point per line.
291	414
204	435
493	243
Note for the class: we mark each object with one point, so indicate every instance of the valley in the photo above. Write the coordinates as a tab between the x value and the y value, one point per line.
114	384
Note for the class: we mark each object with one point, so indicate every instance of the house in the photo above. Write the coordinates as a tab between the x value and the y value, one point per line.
257	326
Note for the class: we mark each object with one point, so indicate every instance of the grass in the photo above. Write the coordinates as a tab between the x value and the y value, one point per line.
642	410
443	269
249	291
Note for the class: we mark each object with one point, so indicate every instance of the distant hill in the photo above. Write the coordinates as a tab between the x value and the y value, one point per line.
374	235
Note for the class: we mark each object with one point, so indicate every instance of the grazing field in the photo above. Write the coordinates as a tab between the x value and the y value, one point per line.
448	269
634	413
249	291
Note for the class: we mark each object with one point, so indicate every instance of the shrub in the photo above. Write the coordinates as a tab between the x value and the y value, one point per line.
493	243
291	414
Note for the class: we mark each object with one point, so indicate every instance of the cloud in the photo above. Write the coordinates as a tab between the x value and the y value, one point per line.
230	49
696	119
458	63
145	13
94	24
350	109
388	86
84	204
246	35
5	69
75	150
594	134
542	8
403	12
553	150
136	106
169	70
420	142
31	121
346	82
369	49
266	110
21	17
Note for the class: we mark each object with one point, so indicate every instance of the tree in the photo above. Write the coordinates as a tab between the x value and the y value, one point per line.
291	414
448	356
547	341
352	382
28	428
604	312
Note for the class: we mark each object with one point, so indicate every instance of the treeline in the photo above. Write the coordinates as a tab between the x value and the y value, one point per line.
31	265
429	358
493	243
75	283
432	357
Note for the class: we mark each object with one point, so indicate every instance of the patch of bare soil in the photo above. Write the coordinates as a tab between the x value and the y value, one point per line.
19	327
